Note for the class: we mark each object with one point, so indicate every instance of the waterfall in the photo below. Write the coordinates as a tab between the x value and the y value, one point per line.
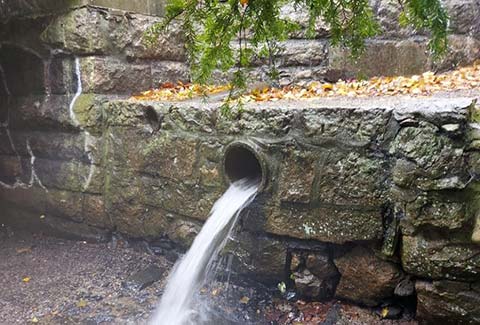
177	305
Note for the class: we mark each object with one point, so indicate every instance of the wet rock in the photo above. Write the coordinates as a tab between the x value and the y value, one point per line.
296	177
111	76
383	57
89	30
447	302
183	232
258	257
325	224
405	287
438	258
435	155
308	285
144	278
434	211
365	278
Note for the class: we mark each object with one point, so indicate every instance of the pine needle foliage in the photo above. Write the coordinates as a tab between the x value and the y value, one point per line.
226	34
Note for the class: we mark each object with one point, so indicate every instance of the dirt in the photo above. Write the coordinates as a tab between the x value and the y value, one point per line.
47	280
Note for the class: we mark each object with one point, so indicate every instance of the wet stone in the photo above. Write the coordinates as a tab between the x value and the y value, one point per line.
366	278
144	278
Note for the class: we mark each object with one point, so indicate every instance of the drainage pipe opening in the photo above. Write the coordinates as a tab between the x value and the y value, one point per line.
241	160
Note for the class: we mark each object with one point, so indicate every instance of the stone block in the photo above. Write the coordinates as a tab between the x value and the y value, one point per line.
32	198
257	257
346	126
52	145
169	71
179	198
10	169
440	160
328	224
171	157
463	16
296	177
428	210
447	302
94	31
94	211
462	50
440	258
65	204
70	175
365	278
107	75
314	274
382	57
42	113
260	121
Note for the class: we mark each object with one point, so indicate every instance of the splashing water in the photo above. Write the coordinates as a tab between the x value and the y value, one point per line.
189	274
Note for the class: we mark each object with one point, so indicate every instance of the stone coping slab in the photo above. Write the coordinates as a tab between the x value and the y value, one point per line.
26	8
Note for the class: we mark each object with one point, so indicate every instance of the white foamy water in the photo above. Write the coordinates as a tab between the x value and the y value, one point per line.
177	305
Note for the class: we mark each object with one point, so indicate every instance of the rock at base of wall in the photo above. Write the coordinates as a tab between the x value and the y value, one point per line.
448	302
365	278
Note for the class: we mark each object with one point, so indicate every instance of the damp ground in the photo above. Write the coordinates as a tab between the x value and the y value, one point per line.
48	280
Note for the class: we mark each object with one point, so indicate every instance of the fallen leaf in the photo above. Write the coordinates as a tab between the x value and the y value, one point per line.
23	250
82	303
384	312
26	279
244	300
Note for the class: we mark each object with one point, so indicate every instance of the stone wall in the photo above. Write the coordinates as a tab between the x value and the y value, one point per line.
364	200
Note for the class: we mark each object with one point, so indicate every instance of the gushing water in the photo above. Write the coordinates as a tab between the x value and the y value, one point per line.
189	274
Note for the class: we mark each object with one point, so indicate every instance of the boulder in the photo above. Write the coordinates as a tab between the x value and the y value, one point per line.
365	278
448	302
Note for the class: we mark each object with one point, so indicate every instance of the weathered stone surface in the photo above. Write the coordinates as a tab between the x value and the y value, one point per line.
448	302
10	169
32	198
144	278
334	224
258	257
72	175
381	57
303	53
171	157
173	195
296	177
476	229
261	121
365	278
112	76
314	274
431	211
345	125
299	14
37	8
65	204
440	163
169	71
51	145
42	112
183	232
92	31
350	178
94	211
463	16
439	258
462	50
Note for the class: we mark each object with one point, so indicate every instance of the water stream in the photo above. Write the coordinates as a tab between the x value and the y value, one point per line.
178	305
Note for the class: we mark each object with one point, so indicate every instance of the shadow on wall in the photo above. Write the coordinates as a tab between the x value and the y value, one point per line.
23	72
